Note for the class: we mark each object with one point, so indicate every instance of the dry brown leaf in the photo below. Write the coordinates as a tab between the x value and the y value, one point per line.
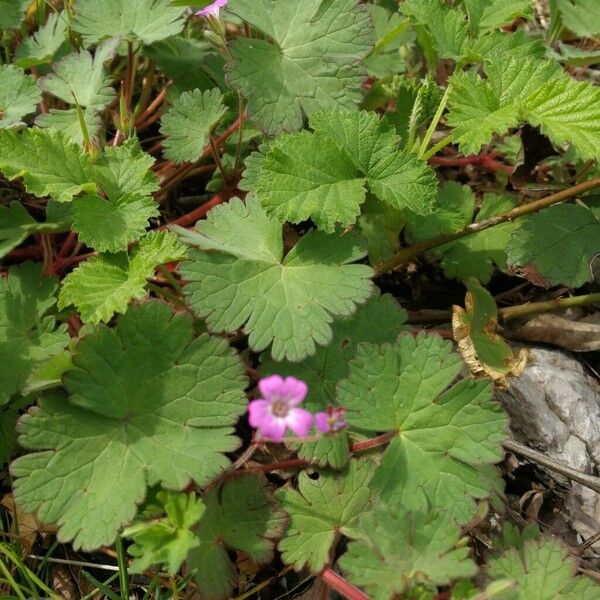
25	526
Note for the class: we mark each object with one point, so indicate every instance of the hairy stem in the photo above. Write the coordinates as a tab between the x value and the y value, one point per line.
380	440
437	147
217	157
532	308
406	254
434	123
190	218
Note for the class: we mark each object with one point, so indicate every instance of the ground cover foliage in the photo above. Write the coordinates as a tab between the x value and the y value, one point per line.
196	199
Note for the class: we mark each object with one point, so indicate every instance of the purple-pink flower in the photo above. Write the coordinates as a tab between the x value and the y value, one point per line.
277	410
331	420
212	10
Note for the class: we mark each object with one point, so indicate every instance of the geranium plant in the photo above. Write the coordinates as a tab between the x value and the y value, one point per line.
223	227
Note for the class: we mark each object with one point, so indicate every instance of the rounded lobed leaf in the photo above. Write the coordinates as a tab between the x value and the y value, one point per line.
448	437
147	404
239	280
402	549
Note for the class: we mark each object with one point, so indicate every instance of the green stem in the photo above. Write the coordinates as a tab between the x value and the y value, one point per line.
437	147
406	254
390	36
123	577
217	157
238	148
435	121
174	590
532	308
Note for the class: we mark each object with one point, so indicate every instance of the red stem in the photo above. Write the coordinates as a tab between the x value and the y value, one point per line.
151	119
75	325
485	160
380	440
292	463
152	106
25	253
68	245
340	585
195	215
207	151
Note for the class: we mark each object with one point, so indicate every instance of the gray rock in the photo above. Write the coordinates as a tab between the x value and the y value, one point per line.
554	407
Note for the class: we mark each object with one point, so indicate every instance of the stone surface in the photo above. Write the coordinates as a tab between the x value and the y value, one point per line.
554	407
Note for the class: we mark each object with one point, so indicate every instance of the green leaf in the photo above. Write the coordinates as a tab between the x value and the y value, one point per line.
403	549
380	225
67	121
476	333
245	281
189	63
109	225
105	284
314	62
454	208
447	27
48	374
582	17
474	255
325	175
478	37
167	541
379	320
448	439
28	331
49	164
148	405
240	516
41	47
125	169
82	79
16	225
189	122
485	15
543	570
391	33
559	243
520	45
144	20
525	90
12	13
322	509
19	96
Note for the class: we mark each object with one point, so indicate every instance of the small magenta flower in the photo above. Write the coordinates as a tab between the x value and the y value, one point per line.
277	410
332	420
212	10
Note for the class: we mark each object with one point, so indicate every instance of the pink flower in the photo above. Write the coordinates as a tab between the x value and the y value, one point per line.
276	411
330	421
212	10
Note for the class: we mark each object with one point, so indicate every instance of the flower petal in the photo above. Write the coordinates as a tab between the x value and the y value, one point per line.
273	429
271	386
295	390
299	421
322	422
259	413
212	9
